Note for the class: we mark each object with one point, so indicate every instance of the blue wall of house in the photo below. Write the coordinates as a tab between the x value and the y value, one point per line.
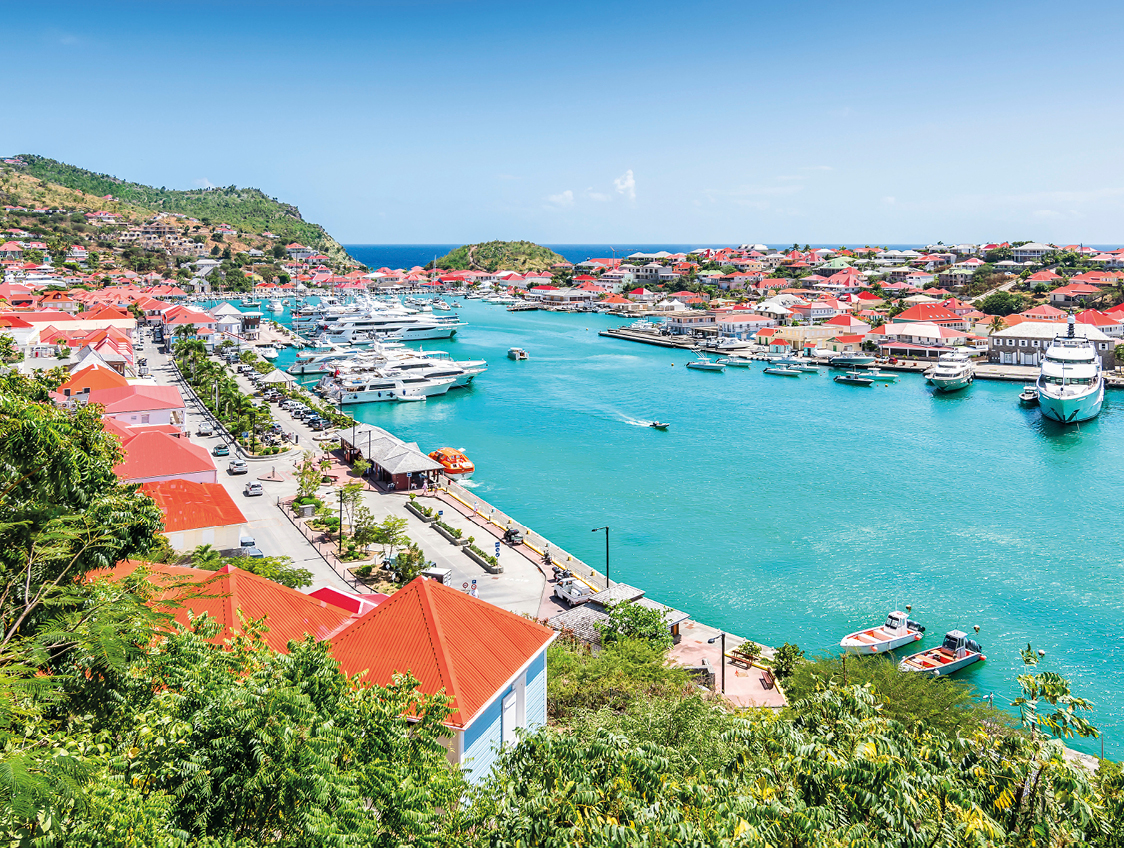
482	738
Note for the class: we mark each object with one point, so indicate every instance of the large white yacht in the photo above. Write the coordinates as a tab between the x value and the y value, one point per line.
387	387
398	324
954	371
1070	383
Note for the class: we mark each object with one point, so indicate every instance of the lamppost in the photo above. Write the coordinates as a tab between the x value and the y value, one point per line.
606	529
711	641
339	548
253	422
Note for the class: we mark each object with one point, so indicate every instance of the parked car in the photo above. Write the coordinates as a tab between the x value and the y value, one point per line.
254	553
316	424
205	429
220	450
572	591
238	466
253	489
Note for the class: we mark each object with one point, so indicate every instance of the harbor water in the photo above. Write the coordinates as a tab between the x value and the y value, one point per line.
799	510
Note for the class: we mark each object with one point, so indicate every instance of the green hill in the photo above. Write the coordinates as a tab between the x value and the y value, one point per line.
494	255
249	210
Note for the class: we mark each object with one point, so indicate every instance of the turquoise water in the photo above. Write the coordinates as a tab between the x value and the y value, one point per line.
797	509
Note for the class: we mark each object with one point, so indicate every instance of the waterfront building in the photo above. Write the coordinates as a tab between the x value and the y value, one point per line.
1025	343
395	464
932	313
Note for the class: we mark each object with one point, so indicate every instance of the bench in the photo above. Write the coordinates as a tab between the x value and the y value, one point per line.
744	659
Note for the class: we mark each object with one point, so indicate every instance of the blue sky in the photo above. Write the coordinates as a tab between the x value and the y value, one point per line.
709	122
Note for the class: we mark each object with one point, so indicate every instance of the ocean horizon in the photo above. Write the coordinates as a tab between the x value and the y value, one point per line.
409	255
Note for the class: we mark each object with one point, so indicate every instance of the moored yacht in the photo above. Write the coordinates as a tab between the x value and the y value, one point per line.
954	371
388	387
852	360
1070	383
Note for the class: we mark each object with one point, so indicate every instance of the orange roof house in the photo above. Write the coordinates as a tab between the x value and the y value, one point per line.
91	378
491	662
152	456
288	614
197	514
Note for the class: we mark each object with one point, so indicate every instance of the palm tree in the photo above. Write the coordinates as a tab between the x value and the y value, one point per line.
997	323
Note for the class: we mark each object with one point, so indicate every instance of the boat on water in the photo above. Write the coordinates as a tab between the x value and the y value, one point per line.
880	376
246	301
1070	382
736	362
897	631
517	353
386	387
659	425
805	369
852	360
1029	395
956	652
455	463
441	306
704	363
852	378
954	371
267	351
783	371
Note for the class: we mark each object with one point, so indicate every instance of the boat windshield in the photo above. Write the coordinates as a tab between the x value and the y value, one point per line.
951	643
892	622
1067	381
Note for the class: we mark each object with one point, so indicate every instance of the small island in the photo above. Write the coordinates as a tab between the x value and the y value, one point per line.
494	255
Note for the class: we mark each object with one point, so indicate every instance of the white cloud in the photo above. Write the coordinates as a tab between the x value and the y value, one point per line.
203	182
566	198
626	184
599	196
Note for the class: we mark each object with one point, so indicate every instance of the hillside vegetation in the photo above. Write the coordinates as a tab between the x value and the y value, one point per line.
249	210
494	255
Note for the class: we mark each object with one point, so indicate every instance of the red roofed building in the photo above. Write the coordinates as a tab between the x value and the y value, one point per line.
197	514
1045	312
491	662
1108	324
289	614
132	405
1073	294
932	313
152	456
91	378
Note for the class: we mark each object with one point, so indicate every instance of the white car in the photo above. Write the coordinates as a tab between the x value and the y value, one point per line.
237	466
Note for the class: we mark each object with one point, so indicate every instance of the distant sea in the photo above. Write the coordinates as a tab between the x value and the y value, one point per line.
409	255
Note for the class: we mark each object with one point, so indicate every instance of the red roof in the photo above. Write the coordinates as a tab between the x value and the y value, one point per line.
190	506
92	378
928	312
450	642
153	454
289	614
137	398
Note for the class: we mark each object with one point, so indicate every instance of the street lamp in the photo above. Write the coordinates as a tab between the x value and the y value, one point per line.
711	641
606	529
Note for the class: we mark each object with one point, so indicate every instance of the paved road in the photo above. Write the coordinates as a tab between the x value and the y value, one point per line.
273	532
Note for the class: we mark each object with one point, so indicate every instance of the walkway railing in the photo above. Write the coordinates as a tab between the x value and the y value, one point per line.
330	560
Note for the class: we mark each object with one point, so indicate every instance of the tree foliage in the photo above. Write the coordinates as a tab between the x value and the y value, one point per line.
631	620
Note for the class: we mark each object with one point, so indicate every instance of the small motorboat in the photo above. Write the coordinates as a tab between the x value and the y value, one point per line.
517	353
704	363
880	376
853	379
736	362
806	369
897	631
1029	395
783	372
659	425
956	652
406	397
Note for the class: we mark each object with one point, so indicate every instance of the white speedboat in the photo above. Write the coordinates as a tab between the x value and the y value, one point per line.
267	351
516	353
782	371
704	363
852	360
1029	395
897	631
954	371
956	652
1070	383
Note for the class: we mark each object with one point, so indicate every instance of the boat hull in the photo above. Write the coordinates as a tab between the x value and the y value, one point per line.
706	366
1072	410
926	663
876	641
950	384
